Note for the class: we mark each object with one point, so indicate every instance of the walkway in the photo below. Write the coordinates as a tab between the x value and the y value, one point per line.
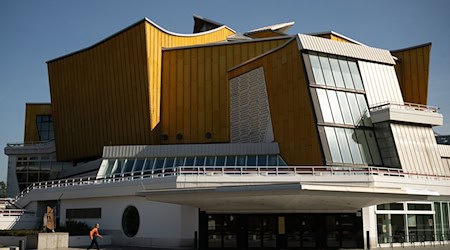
437	247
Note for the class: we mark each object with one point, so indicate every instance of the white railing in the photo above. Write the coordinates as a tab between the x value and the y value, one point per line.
404	106
226	170
12	212
29	143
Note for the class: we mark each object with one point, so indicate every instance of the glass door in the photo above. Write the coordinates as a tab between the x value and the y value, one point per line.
331	231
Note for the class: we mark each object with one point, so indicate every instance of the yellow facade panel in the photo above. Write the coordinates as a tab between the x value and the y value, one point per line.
205	88
412	69
109	94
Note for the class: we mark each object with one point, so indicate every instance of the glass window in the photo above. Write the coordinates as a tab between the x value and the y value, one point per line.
128	166
44	124
355	75
437	210
281	162
169	162
119	167
109	167
130	221
251	160
420	227
363	146
317	70
335	107
139	164
345	108
390	206
84	213
445	221
159	163
210	161
418	206
326	69
273	160
33	176
200	161
391	228
333	144
324	105
357	119
343	145
230	161
337	73
189	161
220	161
353	144
346	74
241	160
364	110
148	167
370	136
179	161
262	160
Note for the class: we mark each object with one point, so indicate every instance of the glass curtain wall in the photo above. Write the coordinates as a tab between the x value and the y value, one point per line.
342	112
160	165
411	222
30	169
441	210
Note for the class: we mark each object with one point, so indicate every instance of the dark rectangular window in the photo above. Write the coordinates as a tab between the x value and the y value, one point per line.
390	206
416	206
84	213
44	125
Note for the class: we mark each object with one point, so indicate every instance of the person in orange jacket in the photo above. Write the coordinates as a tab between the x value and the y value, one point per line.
94	234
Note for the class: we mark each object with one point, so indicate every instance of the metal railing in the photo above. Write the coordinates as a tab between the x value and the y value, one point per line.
414	240
28	143
404	106
230	171
11	212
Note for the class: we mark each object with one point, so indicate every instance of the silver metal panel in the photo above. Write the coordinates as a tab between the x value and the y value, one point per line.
328	46
190	150
417	150
444	150
380	83
250	118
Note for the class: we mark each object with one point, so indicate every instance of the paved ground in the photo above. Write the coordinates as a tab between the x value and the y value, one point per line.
407	247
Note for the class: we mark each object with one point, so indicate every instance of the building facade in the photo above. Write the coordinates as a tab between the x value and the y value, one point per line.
238	140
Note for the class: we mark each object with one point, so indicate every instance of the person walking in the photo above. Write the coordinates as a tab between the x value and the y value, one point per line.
94	234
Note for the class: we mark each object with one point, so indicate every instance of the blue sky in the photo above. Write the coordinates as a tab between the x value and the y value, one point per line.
33	32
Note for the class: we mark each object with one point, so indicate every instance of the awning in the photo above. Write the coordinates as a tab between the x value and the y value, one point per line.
284	197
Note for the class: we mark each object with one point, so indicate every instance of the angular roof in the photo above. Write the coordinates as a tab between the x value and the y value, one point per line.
328	46
203	24
335	34
281	27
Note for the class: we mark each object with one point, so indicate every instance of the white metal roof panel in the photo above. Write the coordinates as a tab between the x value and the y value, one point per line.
281	27
444	150
190	150
328	46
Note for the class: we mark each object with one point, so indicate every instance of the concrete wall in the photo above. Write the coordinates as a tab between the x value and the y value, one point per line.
53	240
161	224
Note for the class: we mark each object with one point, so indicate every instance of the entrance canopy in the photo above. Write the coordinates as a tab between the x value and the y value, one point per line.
284	197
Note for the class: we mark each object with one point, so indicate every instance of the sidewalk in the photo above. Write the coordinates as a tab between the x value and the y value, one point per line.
417	247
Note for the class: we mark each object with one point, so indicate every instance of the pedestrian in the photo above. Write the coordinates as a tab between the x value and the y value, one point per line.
94	234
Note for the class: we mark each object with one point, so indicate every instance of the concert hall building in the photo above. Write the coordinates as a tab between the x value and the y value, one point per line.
220	139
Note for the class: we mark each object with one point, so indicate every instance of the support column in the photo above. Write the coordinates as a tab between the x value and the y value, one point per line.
370	224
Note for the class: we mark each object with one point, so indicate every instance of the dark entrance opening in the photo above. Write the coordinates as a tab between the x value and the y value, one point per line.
280	231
